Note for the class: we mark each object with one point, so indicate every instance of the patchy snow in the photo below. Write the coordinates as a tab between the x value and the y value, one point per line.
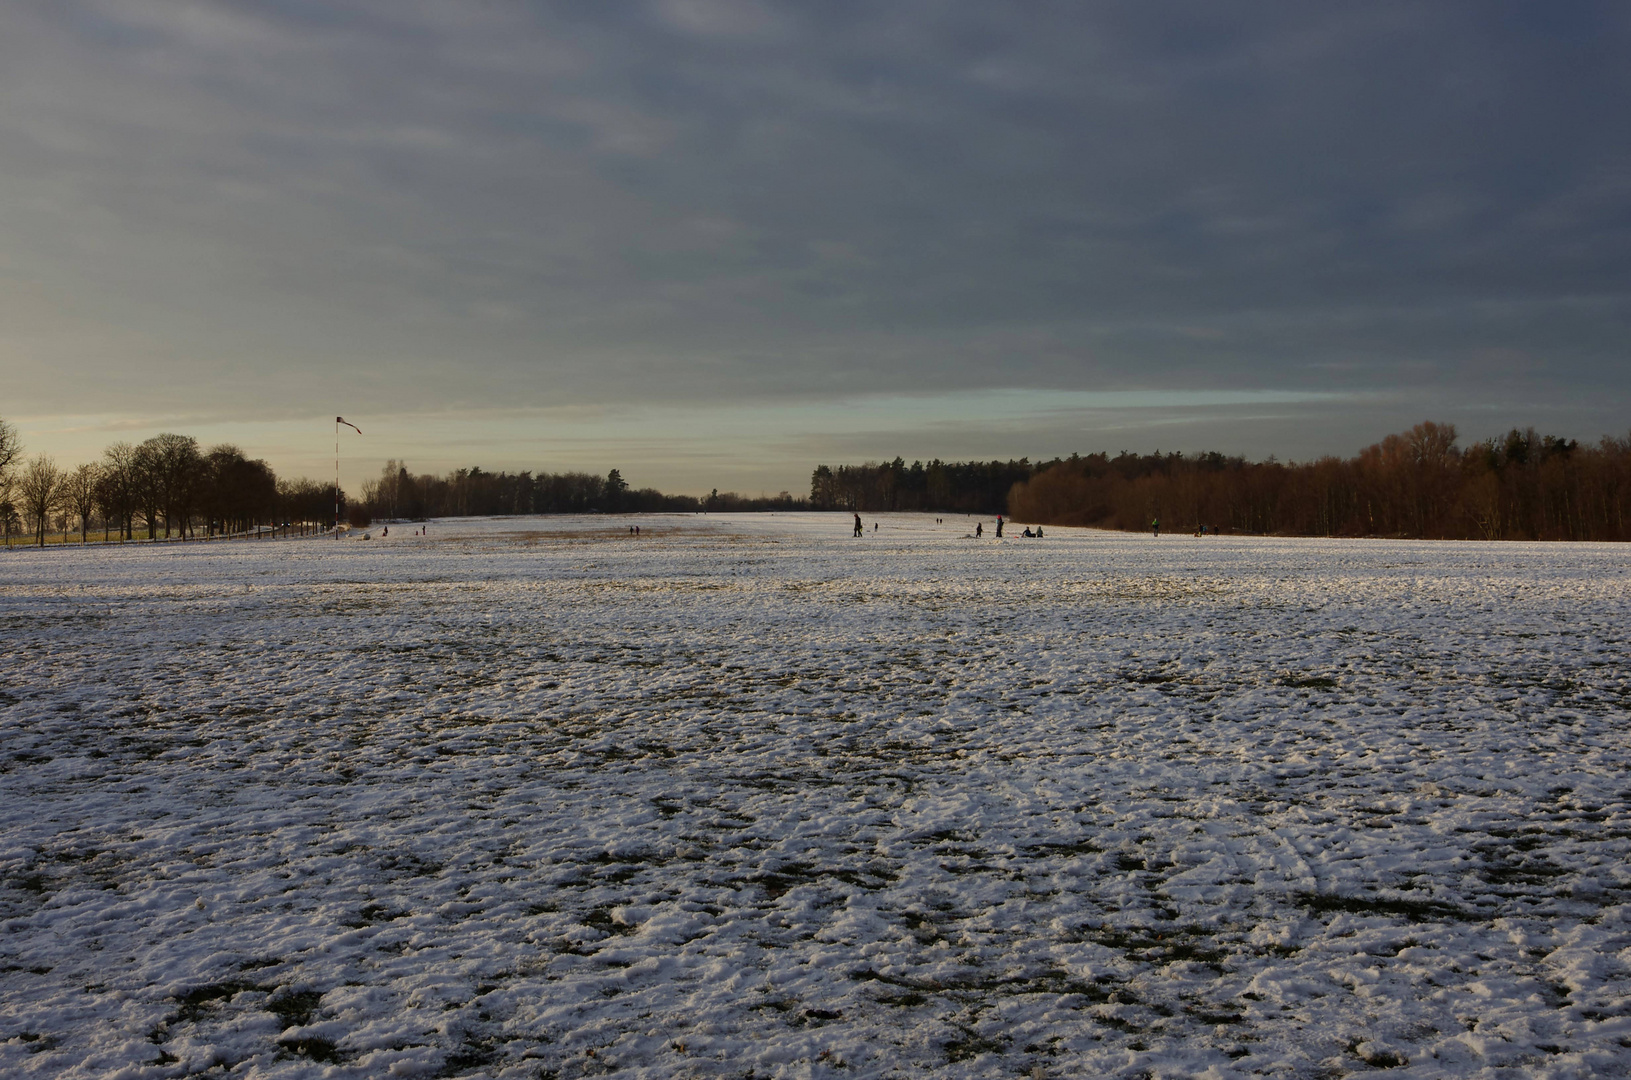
747	796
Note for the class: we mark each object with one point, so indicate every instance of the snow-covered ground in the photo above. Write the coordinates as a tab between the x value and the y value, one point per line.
748	796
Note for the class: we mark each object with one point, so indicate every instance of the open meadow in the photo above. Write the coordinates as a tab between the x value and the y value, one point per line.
746	796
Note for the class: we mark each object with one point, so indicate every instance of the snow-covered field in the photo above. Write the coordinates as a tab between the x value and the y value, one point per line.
747	796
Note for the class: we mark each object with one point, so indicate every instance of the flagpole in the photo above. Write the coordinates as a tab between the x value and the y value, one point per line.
338	420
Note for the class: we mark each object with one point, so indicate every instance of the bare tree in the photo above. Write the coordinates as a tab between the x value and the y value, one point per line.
240	493
178	472
10	447
146	486
8	509
79	491
118	487
40	487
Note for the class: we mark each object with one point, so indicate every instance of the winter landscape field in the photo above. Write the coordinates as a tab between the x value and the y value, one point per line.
751	797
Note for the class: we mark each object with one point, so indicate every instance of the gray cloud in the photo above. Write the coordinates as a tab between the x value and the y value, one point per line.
269	206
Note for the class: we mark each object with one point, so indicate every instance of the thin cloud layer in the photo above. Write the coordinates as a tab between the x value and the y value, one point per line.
258	209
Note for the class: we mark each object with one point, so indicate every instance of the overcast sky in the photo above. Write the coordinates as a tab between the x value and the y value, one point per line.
712	242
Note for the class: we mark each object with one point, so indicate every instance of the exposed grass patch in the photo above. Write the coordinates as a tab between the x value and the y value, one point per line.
601	919
904	1001
369	914
316	1049
405	864
1213	1015
968	1045
1051	981
473	1054
789	876
1169	946
196	1002
1413	910
294	1008
1381	1059
1064	849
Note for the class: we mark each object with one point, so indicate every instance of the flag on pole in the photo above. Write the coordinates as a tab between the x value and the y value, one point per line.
347	423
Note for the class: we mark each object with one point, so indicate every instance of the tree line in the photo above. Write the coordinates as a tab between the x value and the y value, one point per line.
473	491
1419	483
170	486
167	484
971	487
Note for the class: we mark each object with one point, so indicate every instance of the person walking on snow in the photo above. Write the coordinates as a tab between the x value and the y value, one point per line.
857	524
999	526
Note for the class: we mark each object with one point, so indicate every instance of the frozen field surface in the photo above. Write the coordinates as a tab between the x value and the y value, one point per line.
749	797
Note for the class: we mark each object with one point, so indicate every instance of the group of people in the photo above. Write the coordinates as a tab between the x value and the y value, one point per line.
979	528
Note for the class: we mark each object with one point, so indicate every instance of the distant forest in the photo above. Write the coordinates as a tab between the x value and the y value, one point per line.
476	492
1522	486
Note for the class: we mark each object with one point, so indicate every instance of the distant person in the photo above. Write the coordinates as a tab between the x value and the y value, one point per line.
874	526
857	524
386	531
999	526
1039	532
1027	533
979	529
1155	526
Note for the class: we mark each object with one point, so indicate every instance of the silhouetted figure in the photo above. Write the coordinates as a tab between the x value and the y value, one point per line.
979	529
1039	532
999	526
1155	526
857	524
